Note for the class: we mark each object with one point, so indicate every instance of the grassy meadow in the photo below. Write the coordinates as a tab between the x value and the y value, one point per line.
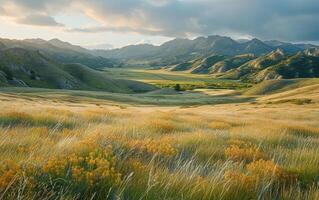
163	79
73	145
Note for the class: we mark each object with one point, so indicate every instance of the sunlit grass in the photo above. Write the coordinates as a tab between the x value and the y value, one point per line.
87	151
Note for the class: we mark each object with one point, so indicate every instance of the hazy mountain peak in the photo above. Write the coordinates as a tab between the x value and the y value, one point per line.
276	43
256	41
99	47
242	40
36	40
58	42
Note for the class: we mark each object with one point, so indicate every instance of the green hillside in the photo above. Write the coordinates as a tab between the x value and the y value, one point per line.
205	65
24	68
297	66
96	80
198	66
249	69
60	51
231	63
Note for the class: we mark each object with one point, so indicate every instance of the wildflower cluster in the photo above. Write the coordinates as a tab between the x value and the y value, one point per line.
241	151
136	165
9	174
92	168
267	170
161	147
258	172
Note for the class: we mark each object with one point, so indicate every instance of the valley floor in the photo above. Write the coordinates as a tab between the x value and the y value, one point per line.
88	145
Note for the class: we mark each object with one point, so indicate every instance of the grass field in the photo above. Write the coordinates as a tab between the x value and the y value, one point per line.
163	78
201	144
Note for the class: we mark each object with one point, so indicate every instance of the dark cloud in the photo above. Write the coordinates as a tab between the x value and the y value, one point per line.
38	20
291	20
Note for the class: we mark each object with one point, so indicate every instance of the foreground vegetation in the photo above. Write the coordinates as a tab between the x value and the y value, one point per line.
54	148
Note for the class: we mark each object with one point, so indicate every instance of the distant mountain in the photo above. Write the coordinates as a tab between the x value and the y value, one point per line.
66	45
242	40
26	68
128	52
99	47
287	47
256	47
60	51
179	51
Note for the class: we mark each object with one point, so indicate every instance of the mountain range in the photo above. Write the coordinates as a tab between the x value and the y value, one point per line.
58	64
60	51
181	50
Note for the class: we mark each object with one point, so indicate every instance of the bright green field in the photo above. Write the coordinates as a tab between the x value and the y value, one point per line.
162	78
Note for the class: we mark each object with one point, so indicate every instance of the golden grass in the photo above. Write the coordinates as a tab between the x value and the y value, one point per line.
84	151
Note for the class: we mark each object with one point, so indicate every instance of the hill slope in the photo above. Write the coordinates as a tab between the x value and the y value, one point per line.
59	51
296	66
277	65
231	63
252	67
276	86
21	67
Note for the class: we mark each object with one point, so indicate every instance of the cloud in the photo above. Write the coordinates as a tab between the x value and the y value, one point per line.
291	20
39	20
2	11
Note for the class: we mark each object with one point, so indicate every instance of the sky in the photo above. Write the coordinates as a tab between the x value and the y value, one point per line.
117	23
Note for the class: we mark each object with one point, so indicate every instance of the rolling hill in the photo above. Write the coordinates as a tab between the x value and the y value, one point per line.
299	65
212	64
231	63
277	86
26	68
60	51
247	67
254	66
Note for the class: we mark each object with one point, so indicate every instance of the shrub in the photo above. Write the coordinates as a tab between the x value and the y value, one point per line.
9	174
266	170
246	154
161	147
84	172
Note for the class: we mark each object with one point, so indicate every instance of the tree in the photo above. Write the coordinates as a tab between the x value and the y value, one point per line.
178	87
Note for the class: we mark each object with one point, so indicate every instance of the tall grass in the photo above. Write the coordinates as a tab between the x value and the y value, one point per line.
223	152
